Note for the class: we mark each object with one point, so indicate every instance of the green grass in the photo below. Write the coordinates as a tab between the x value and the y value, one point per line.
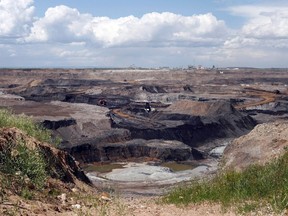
22	168
24	162
248	190
26	124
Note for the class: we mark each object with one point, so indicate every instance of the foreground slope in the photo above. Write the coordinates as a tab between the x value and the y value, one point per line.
264	143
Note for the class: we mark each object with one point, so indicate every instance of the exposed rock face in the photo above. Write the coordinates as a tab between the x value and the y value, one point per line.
87	133
61	164
187	121
262	144
104	110
276	108
137	148
66	90
153	89
174	133
54	125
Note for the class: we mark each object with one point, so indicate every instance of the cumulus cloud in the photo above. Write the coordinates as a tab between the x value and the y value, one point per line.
268	25
66	37
158	28
64	24
240	42
265	34
15	17
263	21
60	24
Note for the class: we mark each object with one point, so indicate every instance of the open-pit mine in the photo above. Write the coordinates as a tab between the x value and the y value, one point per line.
139	131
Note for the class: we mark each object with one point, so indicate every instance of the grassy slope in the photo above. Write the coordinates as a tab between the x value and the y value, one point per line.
23	173
249	190
19	165
24	123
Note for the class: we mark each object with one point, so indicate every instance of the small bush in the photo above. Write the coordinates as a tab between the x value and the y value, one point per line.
249	189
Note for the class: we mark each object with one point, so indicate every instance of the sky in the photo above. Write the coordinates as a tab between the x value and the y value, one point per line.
143	33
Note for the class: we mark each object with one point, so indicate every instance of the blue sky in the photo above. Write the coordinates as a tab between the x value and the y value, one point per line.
121	8
146	33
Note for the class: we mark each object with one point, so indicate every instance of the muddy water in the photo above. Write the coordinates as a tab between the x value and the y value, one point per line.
102	168
176	167
148	178
109	167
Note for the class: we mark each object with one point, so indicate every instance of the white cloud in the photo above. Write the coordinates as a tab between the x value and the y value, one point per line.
64	24
239	41
268	25
251	56
262	40
66	37
263	21
60	24
15	17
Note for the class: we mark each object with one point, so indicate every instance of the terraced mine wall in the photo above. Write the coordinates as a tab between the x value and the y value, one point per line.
101	114
168	135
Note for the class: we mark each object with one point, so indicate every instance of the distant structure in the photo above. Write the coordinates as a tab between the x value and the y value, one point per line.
191	67
164	68
147	107
102	102
200	67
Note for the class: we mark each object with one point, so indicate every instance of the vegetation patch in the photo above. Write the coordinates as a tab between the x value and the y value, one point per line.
24	169
255	187
26	124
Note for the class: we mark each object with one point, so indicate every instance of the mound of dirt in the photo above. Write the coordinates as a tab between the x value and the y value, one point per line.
196	108
261	145
61	164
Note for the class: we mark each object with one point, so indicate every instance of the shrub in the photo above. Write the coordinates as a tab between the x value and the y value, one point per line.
249	189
